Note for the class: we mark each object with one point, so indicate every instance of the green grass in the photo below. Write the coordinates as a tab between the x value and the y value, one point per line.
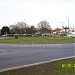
52	68
38	40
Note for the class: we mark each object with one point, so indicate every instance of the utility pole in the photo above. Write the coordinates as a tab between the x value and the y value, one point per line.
68	24
25	21
62	27
62	24
25	25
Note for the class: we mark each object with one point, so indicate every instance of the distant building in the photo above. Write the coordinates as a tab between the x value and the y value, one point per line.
67	30
71	30
64	30
57	31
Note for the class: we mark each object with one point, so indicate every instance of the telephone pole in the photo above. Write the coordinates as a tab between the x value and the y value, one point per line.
62	24
25	25
68	22
25	21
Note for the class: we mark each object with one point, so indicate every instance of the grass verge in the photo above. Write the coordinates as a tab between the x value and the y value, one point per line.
38	40
52	68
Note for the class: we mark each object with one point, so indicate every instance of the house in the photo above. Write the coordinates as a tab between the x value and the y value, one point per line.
56	31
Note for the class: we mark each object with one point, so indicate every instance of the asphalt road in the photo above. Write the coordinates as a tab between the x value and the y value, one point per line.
12	55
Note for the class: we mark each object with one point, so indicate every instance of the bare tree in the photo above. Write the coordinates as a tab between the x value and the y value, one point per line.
18	28
44	26
22	26
30	30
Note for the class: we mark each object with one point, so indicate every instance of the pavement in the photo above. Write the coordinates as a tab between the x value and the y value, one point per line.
5	37
13	55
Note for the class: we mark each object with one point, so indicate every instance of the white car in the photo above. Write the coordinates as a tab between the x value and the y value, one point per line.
3	35
71	35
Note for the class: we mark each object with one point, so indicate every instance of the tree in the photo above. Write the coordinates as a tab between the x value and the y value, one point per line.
44	26
0	32
22	26
5	30
30	30
18	28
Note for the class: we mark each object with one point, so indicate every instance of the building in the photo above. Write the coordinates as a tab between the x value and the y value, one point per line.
57	31
67	30
71	30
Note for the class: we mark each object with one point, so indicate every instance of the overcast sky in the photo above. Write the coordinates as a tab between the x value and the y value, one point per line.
34	11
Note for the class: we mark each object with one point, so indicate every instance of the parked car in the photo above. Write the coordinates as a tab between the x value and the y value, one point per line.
46	34
3	35
71	35
6	35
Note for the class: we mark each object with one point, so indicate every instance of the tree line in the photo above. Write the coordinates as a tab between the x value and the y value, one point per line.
23	28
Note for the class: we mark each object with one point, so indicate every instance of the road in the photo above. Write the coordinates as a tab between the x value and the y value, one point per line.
12	55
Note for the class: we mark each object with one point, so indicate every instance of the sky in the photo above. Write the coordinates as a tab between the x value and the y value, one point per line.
33	11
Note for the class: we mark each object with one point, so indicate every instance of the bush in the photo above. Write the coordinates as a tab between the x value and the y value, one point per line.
16	36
